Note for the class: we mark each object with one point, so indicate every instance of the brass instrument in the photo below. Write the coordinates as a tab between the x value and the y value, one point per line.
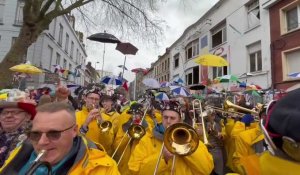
37	163
182	139
135	131
104	125
197	102
221	110
228	104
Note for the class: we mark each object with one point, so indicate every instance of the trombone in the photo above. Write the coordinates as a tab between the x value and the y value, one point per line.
135	131
182	139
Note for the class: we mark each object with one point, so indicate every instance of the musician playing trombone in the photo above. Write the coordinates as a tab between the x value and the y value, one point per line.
146	155
89	117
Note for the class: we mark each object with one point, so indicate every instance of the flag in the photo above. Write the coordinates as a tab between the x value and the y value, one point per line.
125	86
66	73
57	68
76	73
80	67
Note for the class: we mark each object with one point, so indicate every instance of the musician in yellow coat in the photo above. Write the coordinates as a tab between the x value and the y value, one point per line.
146	153
281	130
90	116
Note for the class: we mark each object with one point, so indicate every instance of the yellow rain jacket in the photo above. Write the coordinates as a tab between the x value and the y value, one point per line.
244	153
267	164
146	153
89	160
94	133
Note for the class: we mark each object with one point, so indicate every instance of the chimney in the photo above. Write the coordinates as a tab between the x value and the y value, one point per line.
71	20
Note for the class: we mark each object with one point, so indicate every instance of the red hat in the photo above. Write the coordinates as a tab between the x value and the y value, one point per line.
27	107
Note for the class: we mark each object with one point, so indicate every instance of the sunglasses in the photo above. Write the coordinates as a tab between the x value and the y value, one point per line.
51	135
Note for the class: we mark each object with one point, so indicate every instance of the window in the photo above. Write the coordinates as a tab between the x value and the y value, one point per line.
77	55
60	35
253	14
2	5
163	66
176	60
219	35
168	64
70	66
255	58
72	49
204	42
57	62
65	64
292	19
192	49
219	71
19	12
49	54
192	76
13	40
292	62
67	43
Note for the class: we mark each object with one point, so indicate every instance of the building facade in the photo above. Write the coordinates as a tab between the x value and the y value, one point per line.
59	45
161	67
237	30
285	41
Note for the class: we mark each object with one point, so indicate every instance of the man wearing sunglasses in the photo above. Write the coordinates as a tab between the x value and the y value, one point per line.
54	130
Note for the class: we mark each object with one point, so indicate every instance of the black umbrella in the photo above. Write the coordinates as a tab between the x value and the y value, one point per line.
197	87
104	38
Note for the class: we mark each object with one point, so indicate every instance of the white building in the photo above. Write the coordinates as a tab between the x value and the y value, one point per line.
237	30
61	44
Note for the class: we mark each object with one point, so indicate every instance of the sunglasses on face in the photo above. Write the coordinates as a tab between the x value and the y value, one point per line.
51	135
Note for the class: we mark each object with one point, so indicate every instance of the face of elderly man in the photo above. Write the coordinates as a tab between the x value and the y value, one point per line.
13	118
53	132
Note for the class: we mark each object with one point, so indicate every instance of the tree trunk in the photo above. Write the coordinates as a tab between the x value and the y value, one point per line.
27	36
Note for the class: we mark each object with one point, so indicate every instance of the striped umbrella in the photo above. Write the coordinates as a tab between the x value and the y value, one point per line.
161	96
113	80
294	75
165	84
179	90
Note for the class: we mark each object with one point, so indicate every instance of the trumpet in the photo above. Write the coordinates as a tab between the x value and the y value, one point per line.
105	125
37	163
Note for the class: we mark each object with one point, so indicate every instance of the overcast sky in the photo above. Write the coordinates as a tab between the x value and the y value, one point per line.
178	15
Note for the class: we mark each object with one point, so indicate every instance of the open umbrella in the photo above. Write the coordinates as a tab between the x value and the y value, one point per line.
26	68
179	90
211	60
229	78
113	80
161	96
151	82
294	75
197	87
178	81
165	84
104	38
126	49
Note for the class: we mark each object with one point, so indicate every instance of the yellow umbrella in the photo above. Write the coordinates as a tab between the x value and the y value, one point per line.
211	60
26	68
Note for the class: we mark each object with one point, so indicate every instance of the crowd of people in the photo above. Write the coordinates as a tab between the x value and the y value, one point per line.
95	133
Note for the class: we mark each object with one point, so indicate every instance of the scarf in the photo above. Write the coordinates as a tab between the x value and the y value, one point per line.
9	140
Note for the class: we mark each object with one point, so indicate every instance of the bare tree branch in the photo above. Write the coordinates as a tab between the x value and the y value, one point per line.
46	8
